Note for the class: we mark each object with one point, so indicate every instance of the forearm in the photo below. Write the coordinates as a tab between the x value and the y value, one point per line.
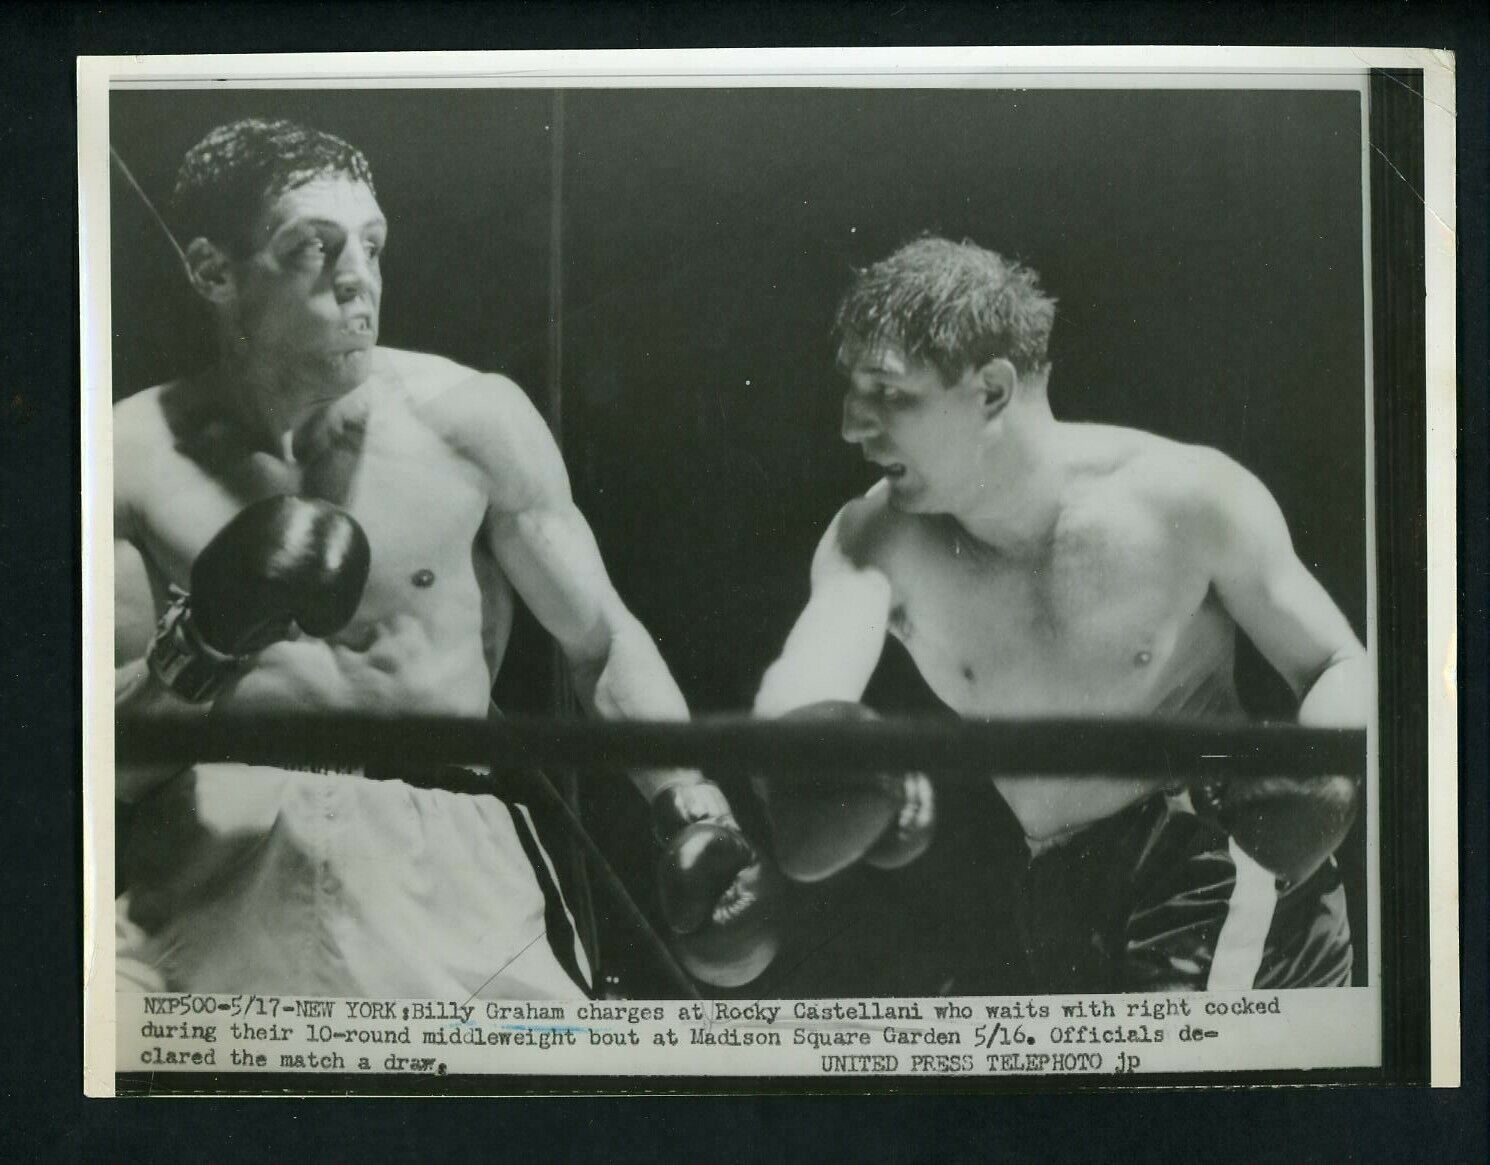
792	683
796	680
630	681
833	648
1291	825
1341	696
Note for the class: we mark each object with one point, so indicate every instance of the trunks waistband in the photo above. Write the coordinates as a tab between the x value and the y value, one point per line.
449	778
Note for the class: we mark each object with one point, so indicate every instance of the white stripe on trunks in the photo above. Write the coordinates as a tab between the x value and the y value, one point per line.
579	951
1244	934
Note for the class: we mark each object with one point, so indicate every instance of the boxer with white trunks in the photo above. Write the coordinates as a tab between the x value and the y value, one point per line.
317	523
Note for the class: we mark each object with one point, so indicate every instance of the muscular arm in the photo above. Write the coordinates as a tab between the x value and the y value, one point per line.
1289	824
822	824
835	644
1230	520
1281	606
547	550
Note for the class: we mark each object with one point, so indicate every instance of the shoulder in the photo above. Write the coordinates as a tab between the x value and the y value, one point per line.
140	418
171	416
142	433
860	533
422	375
1202	493
488	420
1151	470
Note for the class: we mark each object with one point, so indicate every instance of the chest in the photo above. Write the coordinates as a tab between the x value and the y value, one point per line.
419	505
1094	622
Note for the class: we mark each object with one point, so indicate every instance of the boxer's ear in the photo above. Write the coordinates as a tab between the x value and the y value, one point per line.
210	272
995	383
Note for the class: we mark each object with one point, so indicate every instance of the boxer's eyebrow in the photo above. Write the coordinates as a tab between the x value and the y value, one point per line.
880	361
317	220
878	370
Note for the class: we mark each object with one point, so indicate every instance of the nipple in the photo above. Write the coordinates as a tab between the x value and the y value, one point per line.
1143	658
424	577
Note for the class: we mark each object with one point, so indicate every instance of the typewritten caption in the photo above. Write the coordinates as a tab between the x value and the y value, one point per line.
1110	1035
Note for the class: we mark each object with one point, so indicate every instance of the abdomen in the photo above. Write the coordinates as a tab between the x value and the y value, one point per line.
401	670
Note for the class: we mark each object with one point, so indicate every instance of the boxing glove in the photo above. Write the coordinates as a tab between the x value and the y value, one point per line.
716	893
1289	825
822	823
282	562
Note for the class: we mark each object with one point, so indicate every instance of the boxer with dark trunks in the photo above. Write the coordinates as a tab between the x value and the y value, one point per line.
1038	567
318	523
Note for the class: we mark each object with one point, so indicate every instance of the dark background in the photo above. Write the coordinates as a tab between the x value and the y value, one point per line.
1204	247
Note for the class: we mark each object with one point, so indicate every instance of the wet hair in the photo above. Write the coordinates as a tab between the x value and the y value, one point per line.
955	305
226	177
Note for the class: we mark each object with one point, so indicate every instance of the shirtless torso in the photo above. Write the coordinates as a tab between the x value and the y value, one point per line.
250	877
1128	607
1039	568
433	623
1114	615
308	882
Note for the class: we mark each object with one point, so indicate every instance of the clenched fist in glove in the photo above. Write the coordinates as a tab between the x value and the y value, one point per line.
1288	825
282	562
717	893
823	823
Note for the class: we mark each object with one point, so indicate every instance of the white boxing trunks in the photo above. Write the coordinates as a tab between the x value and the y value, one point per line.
245	878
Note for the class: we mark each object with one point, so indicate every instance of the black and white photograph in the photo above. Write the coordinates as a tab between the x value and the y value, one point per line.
738	578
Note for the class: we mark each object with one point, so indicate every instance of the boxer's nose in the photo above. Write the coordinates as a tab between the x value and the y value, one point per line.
355	273
859	421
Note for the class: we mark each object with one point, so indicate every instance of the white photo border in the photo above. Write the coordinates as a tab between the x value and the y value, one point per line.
1024	67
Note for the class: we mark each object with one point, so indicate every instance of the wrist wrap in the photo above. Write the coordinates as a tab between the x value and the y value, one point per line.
181	660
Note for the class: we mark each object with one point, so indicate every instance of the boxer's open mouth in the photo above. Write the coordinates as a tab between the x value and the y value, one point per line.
894	470
355	341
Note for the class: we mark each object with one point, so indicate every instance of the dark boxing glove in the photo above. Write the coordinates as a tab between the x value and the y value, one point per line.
281	562
823	823
716	893
1288	825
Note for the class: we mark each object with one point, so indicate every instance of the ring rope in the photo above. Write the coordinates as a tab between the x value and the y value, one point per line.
607	876
743	744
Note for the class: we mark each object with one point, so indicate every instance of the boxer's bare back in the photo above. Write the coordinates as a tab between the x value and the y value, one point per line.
397	453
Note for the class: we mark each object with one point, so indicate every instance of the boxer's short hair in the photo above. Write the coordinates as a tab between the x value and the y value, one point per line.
226	177
956	305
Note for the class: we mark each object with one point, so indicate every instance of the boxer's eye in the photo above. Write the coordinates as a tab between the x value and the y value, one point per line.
311	251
